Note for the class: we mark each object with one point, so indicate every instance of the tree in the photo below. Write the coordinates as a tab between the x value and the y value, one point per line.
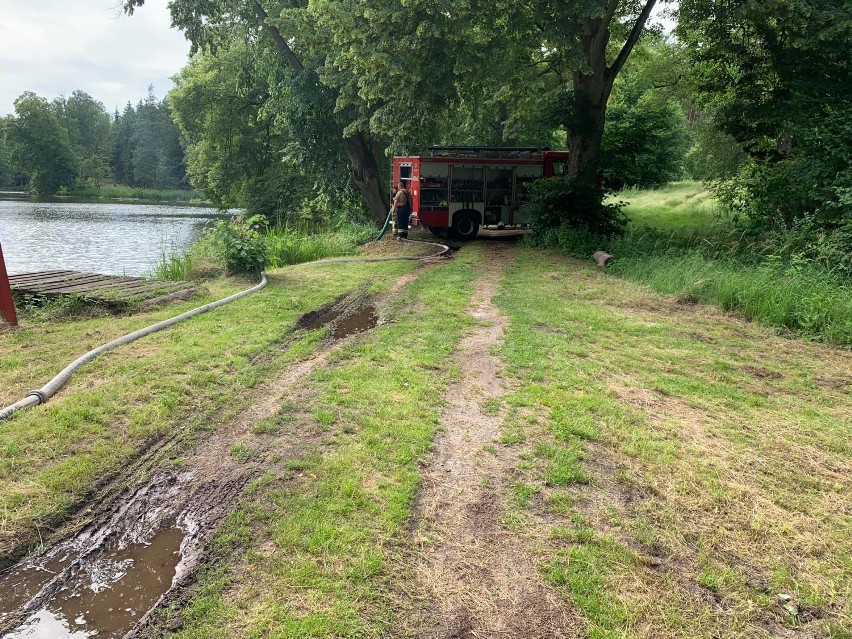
646	136
209	24
591	41
87	123
776	77
645	142
6	175
236	139
146	142
40	145
121	145
404	65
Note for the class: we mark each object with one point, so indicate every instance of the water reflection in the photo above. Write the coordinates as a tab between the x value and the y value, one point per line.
112	238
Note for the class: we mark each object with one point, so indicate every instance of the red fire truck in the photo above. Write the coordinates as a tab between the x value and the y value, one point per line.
457	189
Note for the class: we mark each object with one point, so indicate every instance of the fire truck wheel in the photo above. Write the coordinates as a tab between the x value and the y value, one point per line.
466	226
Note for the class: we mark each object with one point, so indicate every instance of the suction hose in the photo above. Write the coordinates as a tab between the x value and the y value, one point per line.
385	227
40	396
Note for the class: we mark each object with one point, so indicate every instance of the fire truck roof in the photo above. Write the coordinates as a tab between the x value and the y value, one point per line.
486	151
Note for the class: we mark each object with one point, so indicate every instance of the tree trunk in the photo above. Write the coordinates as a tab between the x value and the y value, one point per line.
584	144
365	174
592	88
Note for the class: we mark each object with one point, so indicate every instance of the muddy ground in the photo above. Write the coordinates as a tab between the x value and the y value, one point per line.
117	560
478	577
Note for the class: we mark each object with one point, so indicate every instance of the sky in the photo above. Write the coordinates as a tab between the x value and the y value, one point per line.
53	47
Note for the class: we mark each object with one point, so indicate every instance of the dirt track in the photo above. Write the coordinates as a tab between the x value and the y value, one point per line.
479	576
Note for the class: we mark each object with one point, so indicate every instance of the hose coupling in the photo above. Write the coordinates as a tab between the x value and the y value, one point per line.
42	398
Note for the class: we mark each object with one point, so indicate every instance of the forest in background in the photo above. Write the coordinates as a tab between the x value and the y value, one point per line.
72	143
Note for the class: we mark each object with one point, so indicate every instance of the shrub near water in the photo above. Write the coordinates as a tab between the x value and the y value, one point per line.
241	244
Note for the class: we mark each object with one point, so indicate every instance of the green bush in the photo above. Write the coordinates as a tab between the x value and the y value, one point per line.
563	202
644	143
241	244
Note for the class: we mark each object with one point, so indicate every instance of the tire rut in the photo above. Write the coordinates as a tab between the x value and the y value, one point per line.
479	577
151	538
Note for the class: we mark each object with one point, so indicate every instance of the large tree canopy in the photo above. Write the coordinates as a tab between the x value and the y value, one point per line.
399	75
776	75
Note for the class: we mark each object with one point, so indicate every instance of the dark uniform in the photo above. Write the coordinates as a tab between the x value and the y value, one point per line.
402	202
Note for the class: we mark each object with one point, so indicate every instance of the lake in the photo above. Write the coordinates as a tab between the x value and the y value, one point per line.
112	238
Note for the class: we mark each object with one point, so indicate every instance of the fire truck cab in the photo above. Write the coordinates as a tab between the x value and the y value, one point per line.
457	189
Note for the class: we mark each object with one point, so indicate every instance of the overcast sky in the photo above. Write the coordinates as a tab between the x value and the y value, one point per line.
53	47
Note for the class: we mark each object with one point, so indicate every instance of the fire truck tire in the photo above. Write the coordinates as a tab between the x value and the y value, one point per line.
466	225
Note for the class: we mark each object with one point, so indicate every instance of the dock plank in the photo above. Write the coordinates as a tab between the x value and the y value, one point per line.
110	289
32	278
51	285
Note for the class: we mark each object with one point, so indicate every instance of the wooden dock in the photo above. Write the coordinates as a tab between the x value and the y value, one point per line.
100	289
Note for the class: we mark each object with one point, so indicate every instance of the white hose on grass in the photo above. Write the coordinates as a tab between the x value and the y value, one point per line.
41	395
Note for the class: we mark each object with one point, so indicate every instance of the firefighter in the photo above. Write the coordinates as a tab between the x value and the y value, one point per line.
402	210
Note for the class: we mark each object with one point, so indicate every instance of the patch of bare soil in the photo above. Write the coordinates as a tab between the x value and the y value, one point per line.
390	247
479	577
110	573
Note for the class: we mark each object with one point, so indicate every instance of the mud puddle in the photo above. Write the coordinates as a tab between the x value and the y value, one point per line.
107	597
105	580
357	322
347	315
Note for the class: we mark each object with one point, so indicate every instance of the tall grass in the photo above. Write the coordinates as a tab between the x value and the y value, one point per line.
803	299
174	265
680	242
681	207
295	245
134	193
285	245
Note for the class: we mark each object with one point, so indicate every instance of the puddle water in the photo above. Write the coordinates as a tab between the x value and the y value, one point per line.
363	320
22	584
337	313
107	597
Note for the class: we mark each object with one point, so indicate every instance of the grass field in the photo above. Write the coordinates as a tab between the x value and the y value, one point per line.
679	207
670	469
680	242
701	464
173	383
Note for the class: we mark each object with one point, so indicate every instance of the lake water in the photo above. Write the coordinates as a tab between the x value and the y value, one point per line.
112	238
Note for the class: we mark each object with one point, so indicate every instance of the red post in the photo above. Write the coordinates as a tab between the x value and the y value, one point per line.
7	302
